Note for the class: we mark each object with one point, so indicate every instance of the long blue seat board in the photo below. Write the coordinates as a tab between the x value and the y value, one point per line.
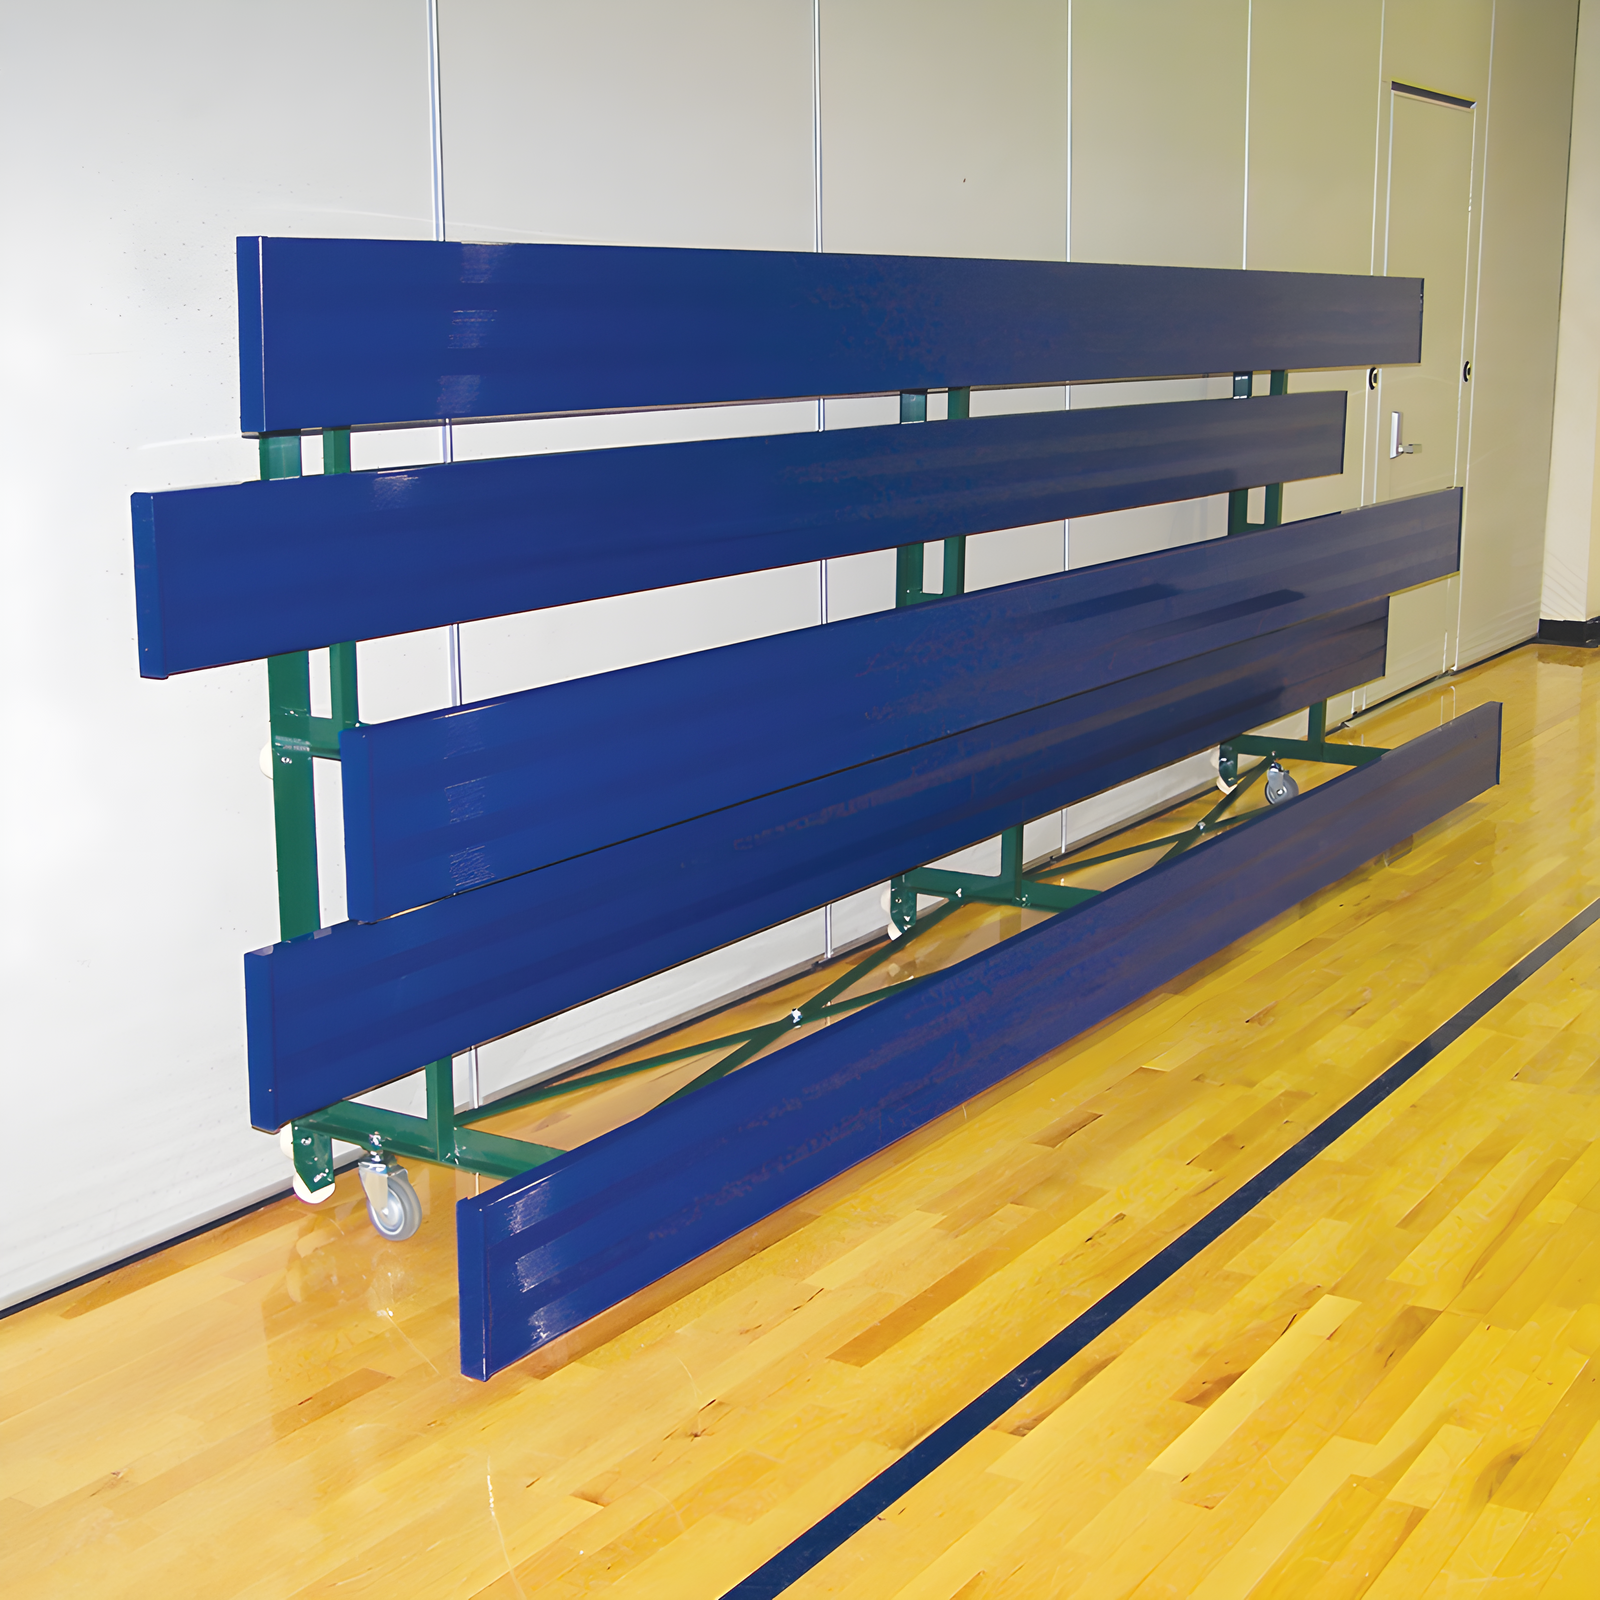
243	571
334	332
541	1254
342	1010
446	801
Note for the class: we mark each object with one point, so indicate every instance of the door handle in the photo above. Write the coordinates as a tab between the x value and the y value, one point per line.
1395	446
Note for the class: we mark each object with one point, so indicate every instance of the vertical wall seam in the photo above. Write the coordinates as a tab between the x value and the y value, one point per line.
1368	491
1377	135
822	414
1066	388
1249	46
435	120
1545	599
446	433
436	152
1464	424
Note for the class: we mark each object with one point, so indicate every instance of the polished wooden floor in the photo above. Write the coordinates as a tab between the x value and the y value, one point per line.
1384	1381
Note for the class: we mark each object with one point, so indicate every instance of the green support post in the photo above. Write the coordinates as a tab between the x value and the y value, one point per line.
955	550
1244	384
297	739
1314	747
335	450
441	1081
294	814
341	657
342	685
910	569
1010	888
279	454
293	801
1011	859
1273	511
902	905
908	590
289	704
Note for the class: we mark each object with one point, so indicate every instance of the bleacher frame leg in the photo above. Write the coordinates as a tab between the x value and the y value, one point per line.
297	739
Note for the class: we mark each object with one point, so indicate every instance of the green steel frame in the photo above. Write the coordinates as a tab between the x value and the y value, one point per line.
1244	387
1012	886
298	739
910	567
1020	888
446	1135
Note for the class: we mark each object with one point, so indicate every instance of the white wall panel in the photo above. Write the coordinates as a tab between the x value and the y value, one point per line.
1313	159
944	127
628	122
1439	44
1313	134
1158	130
1512	393
136	149
1571	588
944	133
1158	176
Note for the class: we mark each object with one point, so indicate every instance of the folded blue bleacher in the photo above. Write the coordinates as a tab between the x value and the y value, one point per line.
510	859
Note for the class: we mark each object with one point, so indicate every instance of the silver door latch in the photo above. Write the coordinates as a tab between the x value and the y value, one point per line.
1395	446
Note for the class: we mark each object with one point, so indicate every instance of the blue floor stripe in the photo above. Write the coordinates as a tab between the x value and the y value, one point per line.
796	1559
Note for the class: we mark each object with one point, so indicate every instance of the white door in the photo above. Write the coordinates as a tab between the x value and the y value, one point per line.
1429	223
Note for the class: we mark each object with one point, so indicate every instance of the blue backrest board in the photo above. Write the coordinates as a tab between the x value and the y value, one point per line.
334	332
250	570
557	771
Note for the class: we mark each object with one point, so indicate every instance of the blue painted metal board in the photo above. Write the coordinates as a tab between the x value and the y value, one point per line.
249	570
350	1007
334	332
543	1253
447	801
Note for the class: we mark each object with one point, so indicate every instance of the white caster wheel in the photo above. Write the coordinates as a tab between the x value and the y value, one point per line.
399	1214
1281	788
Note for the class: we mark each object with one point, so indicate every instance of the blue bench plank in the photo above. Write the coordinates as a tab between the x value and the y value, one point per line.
249	570
449	800
543	1253
343	1010
334	332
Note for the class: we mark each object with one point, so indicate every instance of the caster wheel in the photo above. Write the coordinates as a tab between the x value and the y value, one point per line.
401	1214
1281	788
